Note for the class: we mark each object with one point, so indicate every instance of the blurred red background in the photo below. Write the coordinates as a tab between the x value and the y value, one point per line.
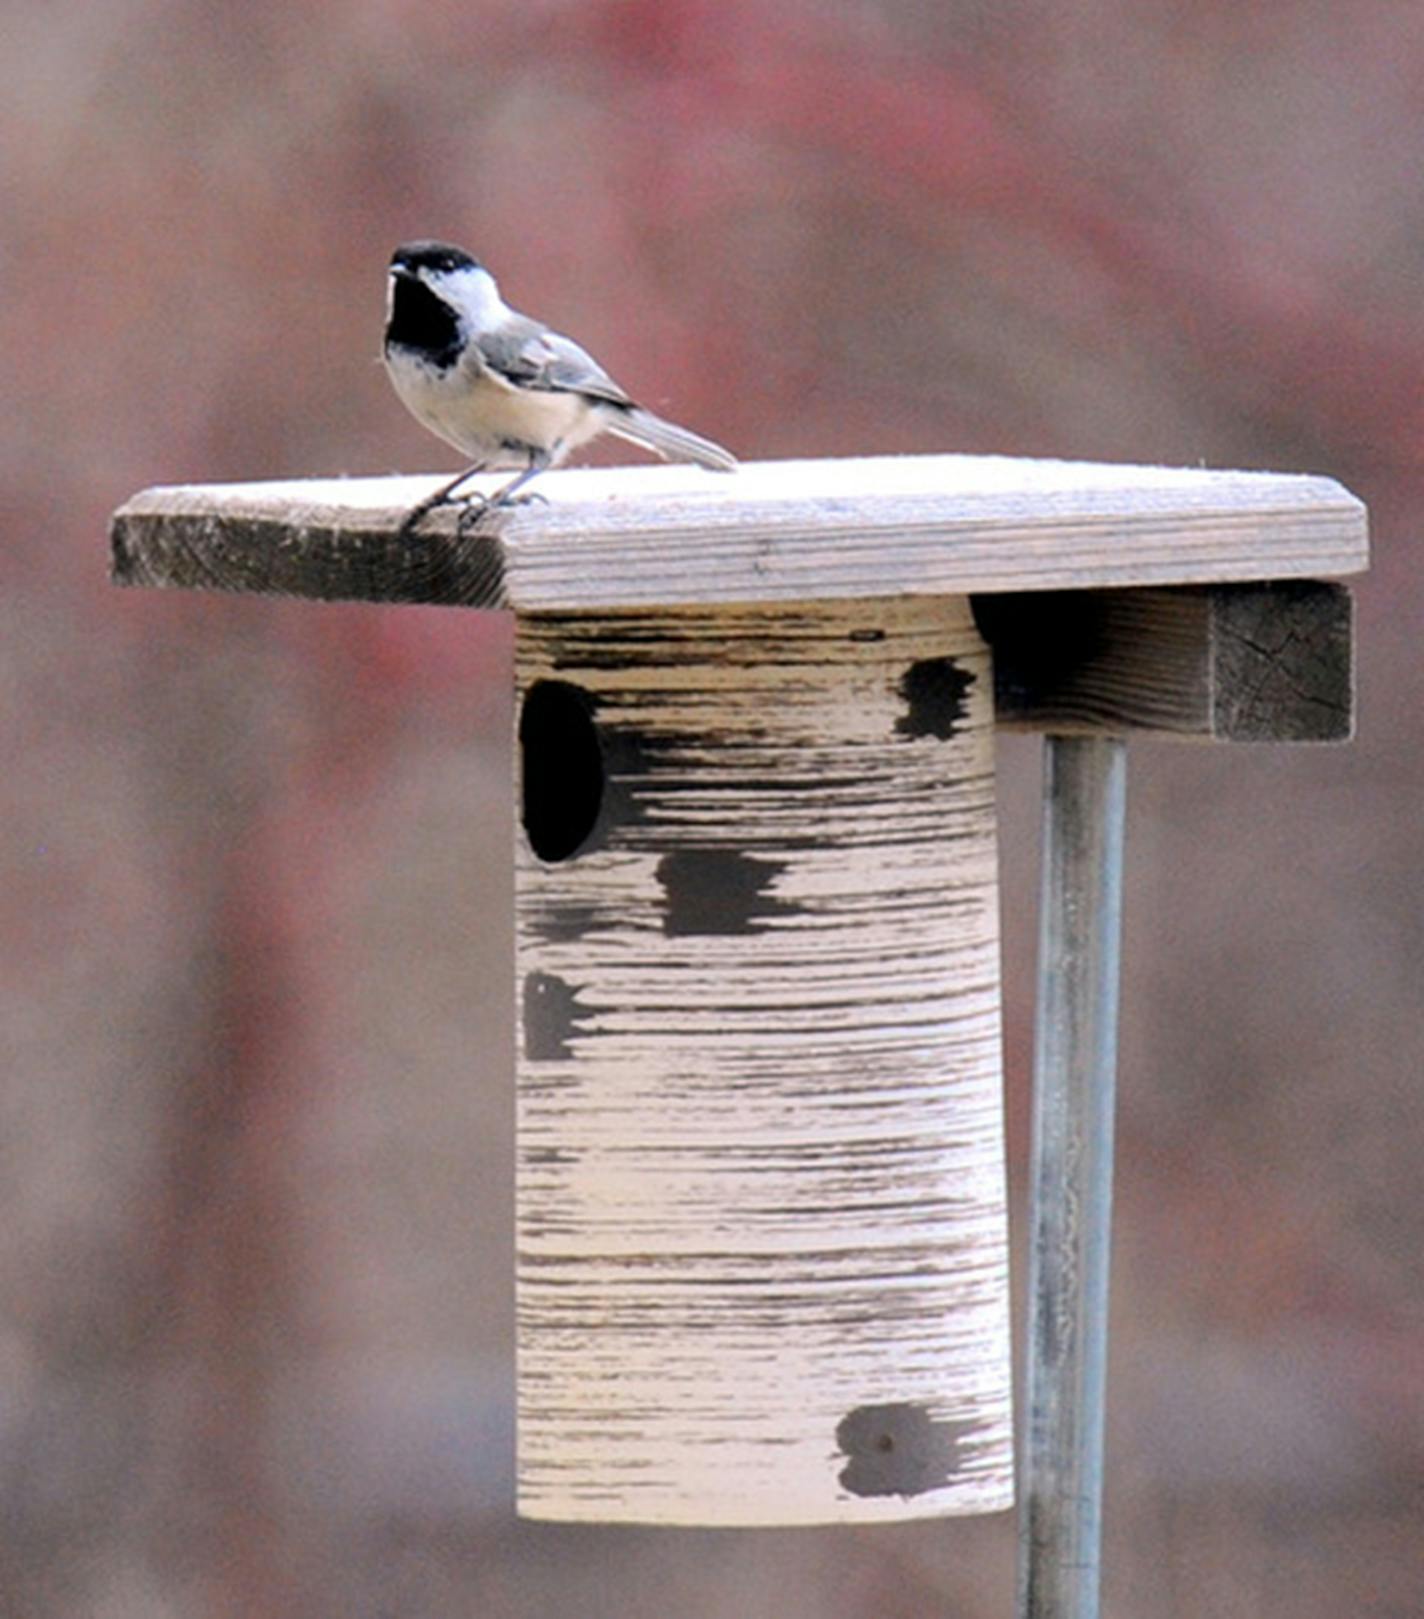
255	1345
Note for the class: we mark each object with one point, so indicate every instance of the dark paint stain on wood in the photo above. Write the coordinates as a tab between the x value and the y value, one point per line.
630	757
934	690
553	1016
718	891
898	1449
566	923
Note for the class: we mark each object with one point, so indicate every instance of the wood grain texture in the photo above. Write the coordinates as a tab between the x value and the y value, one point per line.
1269	662
762	1261
774	531
315	540
1283	663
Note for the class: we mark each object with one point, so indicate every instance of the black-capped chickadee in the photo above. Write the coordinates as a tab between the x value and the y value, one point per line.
504	390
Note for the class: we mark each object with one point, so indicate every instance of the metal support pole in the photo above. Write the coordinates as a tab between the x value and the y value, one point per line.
1075	1057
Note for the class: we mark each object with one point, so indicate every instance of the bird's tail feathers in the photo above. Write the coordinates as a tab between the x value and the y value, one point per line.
672	442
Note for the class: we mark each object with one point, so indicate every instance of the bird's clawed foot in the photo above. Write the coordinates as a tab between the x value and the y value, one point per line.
477	507
474	508
412	521
417	514
473	511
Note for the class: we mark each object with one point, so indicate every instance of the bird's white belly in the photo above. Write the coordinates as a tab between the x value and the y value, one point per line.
484	417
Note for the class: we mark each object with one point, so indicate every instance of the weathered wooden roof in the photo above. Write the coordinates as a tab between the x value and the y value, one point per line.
774	531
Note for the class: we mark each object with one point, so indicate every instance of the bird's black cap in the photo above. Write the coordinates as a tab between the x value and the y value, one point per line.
415	256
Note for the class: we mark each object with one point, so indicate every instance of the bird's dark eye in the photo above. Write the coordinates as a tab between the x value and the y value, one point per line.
431	258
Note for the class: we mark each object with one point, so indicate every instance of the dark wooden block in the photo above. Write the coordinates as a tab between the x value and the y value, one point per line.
1261	662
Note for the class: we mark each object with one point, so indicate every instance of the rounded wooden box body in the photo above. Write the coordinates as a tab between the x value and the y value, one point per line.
762	1250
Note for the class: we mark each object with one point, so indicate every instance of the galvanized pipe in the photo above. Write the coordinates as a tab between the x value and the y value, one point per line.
1075	1058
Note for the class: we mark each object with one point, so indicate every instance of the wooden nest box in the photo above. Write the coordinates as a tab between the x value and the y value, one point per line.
762	1251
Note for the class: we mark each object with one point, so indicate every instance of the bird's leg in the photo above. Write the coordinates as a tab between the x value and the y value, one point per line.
538	461
441	497
477	506
473	515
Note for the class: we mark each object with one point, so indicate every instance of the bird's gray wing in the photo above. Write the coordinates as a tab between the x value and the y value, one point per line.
530	356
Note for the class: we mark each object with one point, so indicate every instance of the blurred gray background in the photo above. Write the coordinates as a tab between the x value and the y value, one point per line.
256	1323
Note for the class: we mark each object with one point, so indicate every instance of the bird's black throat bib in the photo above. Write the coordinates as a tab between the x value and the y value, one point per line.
423	323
